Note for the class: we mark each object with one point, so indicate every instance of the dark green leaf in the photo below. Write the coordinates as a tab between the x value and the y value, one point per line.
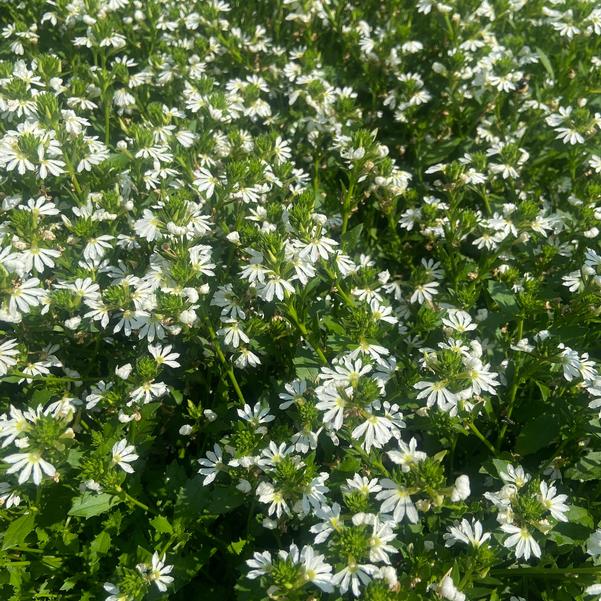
538	433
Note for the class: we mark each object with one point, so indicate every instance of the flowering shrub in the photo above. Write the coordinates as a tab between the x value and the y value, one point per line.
300	300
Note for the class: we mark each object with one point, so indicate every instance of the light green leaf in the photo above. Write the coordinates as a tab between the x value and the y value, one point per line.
546	63
161	524
89	504
18	530
101	544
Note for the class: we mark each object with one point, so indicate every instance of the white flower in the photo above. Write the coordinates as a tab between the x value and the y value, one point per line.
8	352
396	500
123	455
147	392
466	532
379	547
260	563
553	502
331	521
436	393
318	247
25	295
593	589
408	455
277	287
29	464
163	355
269	495
353	576
232	333
96	247
8	497
424	293
481	379
377	431
448	590
461	490
157	572
205	182
259	414
522	540
316	570
460	321
115	593
212	465
40	258
124	371
515	475
333	404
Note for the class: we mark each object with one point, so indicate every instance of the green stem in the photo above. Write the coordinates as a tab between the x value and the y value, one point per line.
374	464
544	571
48	378
126	496
454	439
25	549
520	329
228	368
481	437
512	391
107	121
346	206
293	317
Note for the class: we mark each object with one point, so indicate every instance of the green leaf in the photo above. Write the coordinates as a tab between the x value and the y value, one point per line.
349	464
161	524
501	466
307	365
237	547
545	391
333	326
580	515
353	236
195	497
18	530
504	298
101	544
224	499
90	504
588	468
546	63
537	434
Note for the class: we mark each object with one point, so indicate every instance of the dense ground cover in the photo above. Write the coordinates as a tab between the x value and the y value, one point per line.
300	299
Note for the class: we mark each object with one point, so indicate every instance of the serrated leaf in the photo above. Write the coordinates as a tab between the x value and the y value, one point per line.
161	524
101	544
238	546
